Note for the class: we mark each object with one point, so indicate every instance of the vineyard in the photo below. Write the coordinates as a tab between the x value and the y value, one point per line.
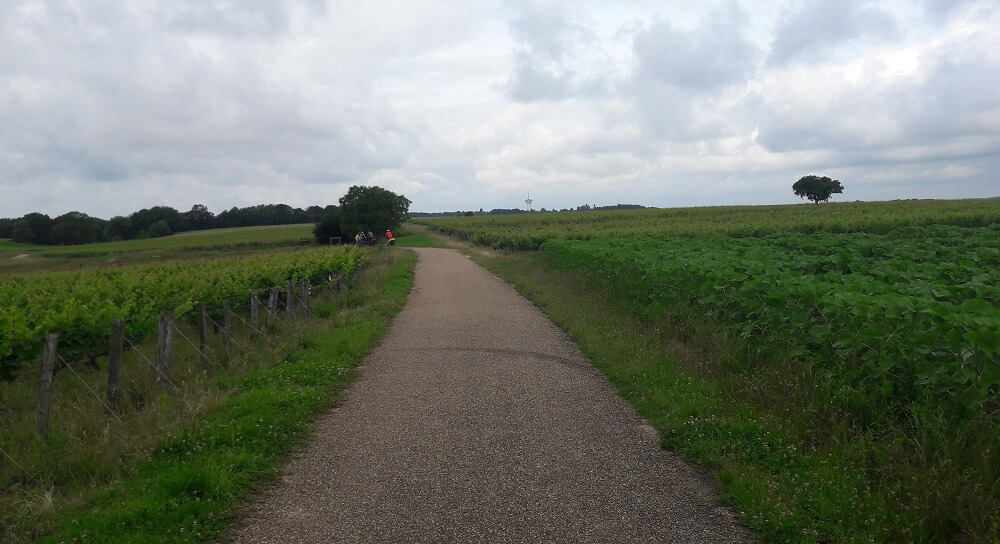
212	239
80	306
184	413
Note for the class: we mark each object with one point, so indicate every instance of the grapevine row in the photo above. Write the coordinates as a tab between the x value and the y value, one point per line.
81	306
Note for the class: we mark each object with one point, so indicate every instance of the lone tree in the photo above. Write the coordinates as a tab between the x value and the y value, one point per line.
372	208
816	188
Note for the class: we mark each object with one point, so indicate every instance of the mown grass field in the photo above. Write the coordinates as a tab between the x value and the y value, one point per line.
836	366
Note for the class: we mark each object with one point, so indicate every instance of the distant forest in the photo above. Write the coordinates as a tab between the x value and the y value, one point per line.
75	228
79	228
511	211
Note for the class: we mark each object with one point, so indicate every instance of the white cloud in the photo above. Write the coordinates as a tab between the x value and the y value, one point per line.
110	107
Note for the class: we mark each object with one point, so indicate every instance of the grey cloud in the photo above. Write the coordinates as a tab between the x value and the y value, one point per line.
245	18
109	104
819	26
676	71
550	41
718	53
953	100
944	112
942	9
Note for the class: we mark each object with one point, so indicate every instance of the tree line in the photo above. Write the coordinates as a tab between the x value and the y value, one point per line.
512	211
75	228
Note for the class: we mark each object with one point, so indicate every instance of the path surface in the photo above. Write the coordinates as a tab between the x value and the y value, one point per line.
477	420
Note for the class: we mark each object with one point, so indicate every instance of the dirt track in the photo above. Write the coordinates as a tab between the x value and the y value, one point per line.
477	420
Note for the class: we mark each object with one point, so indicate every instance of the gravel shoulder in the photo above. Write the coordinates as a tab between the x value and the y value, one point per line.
478	420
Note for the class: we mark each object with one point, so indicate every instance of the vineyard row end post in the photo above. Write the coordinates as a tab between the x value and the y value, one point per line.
254	313
227	332
202	333
45	385
165	345
115	347
272	305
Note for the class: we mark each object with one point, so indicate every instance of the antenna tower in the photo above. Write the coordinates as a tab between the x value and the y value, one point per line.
527	202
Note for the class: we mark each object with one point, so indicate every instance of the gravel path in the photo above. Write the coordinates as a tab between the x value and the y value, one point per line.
477	420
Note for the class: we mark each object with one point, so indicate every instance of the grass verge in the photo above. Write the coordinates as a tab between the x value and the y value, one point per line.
793	469
187	486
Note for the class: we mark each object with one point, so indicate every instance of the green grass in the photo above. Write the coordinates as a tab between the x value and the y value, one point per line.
419	240
180	463
794	467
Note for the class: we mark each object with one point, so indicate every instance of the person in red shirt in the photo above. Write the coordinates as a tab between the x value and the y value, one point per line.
389	240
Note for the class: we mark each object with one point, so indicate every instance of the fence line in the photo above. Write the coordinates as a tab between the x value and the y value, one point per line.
18	465
151	363
85	384
296	307
197	347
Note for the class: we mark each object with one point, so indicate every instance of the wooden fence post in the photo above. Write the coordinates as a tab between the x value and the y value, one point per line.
203	333
115	363
305	297
342	282
227	331
254	313
45	385
272	305
290	302
164	345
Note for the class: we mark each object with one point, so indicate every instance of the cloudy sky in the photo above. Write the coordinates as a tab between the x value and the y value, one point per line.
109	106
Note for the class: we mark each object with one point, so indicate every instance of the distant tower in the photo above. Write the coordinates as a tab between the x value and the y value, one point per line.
527	202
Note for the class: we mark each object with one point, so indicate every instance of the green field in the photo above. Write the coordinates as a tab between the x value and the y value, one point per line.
194	240
848	354
530	231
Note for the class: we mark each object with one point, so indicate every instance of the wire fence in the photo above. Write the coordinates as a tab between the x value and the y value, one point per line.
278	313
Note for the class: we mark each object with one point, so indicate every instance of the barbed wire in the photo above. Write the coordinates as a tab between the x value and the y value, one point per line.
18	465
198	347
231	339
152	364
85	384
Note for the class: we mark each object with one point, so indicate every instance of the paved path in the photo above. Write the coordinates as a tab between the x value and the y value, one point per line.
477	420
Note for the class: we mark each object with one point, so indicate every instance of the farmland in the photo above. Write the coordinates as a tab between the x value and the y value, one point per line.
213	239
281	373
82	305
530	231
848	355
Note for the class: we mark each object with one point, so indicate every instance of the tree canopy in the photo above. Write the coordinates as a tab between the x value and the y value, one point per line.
328	227
816	188
372	208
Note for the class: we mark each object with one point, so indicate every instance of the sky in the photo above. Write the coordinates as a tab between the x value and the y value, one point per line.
108	107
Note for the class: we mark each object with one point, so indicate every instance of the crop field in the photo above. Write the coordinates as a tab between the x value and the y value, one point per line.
896	317
883	317
80	306
275	235
530	231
